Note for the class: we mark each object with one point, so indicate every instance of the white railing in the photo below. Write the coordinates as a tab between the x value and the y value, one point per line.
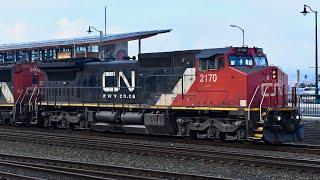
25	93
30	99
19	98
36	100
249	119
264	94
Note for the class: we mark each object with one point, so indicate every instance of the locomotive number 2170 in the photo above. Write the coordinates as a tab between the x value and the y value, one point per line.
205	78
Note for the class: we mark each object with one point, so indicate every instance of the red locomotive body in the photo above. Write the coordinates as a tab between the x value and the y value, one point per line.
26	75
219	83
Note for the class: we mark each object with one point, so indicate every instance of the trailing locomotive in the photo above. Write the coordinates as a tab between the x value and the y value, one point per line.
17	81
226	93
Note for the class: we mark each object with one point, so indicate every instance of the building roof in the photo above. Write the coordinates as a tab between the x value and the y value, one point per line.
107	39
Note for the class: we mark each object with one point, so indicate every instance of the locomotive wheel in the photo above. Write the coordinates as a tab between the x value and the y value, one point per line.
211	132
82	124
64	123
241	134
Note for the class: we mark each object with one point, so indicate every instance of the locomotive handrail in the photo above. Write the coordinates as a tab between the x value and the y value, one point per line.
264	94
30	105
25	93
35	101
18	98
249	118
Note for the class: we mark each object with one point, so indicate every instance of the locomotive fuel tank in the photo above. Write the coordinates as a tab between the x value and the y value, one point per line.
107	116
132	118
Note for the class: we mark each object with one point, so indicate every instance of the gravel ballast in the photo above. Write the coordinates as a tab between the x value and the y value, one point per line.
223	169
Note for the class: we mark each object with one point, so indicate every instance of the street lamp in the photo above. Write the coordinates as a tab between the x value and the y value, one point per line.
305	12
242	32
100	44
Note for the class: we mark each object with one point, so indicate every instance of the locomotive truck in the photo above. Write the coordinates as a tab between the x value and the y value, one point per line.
224	93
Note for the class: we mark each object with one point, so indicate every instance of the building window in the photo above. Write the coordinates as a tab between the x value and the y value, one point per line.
93	48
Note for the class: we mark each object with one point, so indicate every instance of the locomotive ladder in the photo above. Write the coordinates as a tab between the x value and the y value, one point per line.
258	132
26	106
33	105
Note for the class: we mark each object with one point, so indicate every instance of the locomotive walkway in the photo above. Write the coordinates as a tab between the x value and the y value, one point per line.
211	154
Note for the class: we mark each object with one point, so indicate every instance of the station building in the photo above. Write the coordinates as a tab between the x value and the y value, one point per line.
105	47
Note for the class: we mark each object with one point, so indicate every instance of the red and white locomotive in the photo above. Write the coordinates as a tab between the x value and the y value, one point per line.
226	93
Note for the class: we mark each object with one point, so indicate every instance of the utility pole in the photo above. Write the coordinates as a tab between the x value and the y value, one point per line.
105	20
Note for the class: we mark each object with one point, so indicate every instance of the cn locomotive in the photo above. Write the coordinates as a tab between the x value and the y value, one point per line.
223	93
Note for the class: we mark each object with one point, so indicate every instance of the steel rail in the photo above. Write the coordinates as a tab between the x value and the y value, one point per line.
295	148
5	175
175	151
81	170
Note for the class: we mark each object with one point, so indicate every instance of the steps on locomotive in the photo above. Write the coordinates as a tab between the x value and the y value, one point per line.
258	131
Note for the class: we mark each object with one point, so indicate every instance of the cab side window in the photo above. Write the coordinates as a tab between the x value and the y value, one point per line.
212	63
203	64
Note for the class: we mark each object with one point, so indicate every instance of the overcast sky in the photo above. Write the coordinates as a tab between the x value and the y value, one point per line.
275	25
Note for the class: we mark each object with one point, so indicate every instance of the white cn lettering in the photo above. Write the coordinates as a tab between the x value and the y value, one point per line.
275	88
121	76
133	82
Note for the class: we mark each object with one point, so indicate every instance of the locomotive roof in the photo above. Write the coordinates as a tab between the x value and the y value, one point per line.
200	53
206	53
82	40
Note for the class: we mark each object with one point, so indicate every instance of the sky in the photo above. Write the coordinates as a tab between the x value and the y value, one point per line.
287	37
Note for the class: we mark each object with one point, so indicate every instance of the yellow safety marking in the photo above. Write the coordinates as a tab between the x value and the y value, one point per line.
6	105
282	109
259	129
271	109
258	135
139	106
252	109
253	138
196	108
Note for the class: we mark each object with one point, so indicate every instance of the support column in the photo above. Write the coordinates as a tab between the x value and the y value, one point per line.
139	46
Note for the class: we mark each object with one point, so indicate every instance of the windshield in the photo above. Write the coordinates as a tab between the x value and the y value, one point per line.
241	60
260	61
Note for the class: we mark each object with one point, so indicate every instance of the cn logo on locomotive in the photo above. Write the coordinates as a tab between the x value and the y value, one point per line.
121	75
276	88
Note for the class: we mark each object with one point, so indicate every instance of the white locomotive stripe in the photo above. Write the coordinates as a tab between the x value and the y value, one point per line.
6	92
189	77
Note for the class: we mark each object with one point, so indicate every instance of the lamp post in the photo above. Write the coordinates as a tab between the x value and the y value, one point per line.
305	12
100	44
242	32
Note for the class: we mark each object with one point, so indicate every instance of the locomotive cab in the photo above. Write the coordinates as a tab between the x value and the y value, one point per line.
242	78
268	92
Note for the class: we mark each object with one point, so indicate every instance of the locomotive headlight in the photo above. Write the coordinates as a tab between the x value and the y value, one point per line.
279	118
274	74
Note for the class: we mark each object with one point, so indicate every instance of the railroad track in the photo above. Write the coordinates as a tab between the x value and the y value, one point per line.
39	168
294	148
209	154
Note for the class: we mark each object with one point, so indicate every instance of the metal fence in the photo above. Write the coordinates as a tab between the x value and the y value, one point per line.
309	105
